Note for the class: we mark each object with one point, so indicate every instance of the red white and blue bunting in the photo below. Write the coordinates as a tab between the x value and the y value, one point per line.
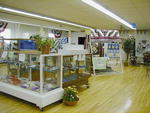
3	26
104	35
57	33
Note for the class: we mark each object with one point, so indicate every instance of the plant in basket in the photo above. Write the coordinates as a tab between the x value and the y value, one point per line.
128	46
46	44
70	96
43	43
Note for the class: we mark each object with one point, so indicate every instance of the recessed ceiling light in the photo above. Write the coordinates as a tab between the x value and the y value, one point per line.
107	12
42	17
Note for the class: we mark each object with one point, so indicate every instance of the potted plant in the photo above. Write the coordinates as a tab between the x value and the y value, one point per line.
128	45
70	96
37	39
43	43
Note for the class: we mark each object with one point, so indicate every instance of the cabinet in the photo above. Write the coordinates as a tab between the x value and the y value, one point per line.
31	76
76	69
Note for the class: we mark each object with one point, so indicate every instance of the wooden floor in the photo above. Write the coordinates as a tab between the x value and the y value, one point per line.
126	93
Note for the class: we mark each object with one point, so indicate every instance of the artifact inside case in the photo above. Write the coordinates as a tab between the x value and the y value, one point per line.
26	73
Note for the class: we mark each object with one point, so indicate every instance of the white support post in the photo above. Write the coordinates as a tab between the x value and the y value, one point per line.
93	66
69	37
59	76
41	73
61	70
18	71
92	55
121	61
30	69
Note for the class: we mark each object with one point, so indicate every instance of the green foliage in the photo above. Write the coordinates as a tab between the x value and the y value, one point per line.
128	45
42	41
37	39
70	94
47	42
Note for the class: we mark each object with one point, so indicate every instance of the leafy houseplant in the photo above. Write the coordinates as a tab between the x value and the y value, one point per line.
43	43
37	39
70	96
128	45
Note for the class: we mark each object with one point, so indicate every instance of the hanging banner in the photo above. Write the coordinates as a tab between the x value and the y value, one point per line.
105	34
57	33
3	26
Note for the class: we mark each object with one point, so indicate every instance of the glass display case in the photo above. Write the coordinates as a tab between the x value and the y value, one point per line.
76	69
30	76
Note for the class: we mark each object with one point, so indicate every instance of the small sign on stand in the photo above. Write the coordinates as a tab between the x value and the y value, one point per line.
4	54
21	57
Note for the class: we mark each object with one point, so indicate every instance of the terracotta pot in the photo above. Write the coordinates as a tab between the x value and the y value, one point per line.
70	103
16	82
45	49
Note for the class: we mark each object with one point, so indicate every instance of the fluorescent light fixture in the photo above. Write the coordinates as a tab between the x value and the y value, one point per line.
37	25
41	17
107	12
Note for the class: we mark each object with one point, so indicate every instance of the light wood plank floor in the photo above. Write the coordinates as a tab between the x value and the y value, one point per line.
126	93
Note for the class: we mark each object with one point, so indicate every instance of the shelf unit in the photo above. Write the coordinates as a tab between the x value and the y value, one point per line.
23	52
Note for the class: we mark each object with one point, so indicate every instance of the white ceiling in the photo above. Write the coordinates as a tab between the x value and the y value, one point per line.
133	11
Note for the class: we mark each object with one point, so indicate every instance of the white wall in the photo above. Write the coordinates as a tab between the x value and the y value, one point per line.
14	30
34	21
75	35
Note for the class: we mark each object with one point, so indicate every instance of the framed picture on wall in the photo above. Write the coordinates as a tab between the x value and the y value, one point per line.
81	40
